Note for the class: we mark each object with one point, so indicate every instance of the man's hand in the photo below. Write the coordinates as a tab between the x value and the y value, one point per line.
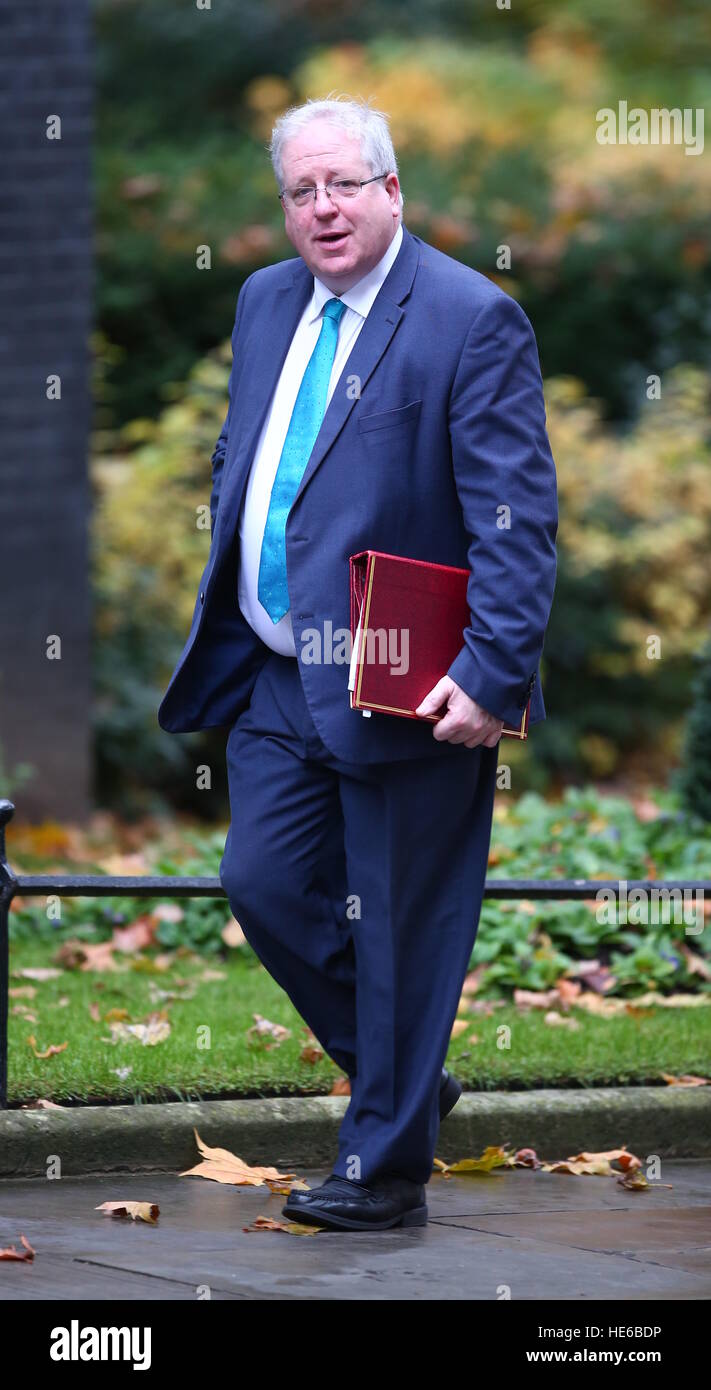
465	721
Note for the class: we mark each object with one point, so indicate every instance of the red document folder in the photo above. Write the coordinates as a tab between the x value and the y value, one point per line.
414	614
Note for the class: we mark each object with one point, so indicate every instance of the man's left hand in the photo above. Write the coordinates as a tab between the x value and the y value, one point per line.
465	721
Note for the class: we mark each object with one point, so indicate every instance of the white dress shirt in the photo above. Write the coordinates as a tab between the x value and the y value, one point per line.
255	506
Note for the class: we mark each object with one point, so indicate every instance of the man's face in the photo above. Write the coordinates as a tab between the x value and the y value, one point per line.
339	241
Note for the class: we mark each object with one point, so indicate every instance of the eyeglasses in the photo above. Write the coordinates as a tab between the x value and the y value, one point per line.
337	188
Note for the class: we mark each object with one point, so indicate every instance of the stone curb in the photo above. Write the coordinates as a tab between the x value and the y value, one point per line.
301	1132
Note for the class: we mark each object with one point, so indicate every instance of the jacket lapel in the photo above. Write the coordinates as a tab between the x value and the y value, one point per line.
282	314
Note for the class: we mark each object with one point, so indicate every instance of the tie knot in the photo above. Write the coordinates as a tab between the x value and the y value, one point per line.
333	308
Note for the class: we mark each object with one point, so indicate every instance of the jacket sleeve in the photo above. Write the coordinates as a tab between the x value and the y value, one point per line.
506	483
218	455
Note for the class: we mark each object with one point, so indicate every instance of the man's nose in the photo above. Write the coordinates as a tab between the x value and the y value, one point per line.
322	203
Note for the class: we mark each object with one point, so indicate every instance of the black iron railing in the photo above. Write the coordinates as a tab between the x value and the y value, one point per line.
163	886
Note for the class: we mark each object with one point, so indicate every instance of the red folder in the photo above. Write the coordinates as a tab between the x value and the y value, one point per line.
407	621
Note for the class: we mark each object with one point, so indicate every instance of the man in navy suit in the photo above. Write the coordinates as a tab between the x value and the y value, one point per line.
382	396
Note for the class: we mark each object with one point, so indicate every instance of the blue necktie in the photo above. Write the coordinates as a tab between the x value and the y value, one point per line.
304	425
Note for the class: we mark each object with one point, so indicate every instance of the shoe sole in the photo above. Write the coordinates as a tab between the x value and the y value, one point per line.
449	1095
417	1216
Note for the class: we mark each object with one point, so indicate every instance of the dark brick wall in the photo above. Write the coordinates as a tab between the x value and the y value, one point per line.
45	321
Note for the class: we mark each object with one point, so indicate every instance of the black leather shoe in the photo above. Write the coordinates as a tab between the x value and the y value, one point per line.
449	1092
344	1205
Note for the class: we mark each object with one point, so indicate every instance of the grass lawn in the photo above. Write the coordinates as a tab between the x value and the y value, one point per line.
629	1050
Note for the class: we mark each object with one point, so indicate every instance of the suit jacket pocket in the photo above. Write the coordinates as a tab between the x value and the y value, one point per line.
384	419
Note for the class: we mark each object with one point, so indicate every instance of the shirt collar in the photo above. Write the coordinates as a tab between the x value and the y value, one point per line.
360	296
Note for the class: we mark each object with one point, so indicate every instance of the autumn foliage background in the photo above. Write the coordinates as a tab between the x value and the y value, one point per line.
493	115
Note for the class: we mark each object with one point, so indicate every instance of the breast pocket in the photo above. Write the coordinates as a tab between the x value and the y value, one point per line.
402	419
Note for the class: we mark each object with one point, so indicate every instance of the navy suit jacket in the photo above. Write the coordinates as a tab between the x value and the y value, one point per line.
433	446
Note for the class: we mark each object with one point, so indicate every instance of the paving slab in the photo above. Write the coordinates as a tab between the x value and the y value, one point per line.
519	1234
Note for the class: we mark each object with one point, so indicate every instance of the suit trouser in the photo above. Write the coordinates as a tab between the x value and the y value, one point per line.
359	886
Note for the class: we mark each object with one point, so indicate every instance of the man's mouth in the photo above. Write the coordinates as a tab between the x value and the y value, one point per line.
332	239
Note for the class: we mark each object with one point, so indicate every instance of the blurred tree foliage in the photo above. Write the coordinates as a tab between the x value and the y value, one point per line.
493	116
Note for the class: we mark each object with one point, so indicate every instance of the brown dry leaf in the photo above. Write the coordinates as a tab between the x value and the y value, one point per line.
341	1086
311	1054
209	975
155	1030
292	1228
41	1104
22	992
598	1005
695	964
136	936
53	1047
164	960
526	1158
223	1166
568	990
263	1028
473	980
459	1026
82	955
232	934
138	1211
595	1164
62	1003
24	1013
10	1253
535	999
636	1181
493	1157
486	1006
116	1015
282	1189
94	1011
688	1080
38	972
557	1020
168	912
674	1001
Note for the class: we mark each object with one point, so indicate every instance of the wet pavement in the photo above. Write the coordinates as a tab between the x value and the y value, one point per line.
518	1234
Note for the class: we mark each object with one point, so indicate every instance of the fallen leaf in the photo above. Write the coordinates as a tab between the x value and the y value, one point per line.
136	936
209	975
686	1080
53	1047
527	1158
138	1211
168	912
38	972
155	1030
695	964
341	1087
263	1028
535	999
292	1228
41	1104
22	992
492	1157
10	1253
459	1026
311	1054
557	1020
232	934
222	1166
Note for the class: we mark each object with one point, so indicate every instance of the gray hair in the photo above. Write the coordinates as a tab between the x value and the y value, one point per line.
357	118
